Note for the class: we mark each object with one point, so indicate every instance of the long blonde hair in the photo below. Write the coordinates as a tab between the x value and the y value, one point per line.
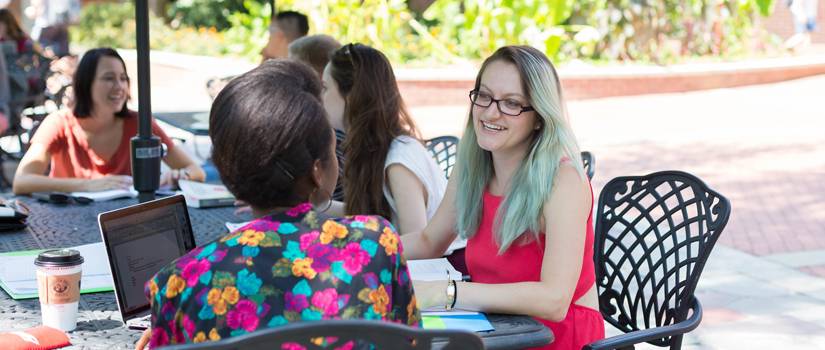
521	210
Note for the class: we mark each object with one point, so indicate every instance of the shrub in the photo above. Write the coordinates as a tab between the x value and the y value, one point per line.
113	25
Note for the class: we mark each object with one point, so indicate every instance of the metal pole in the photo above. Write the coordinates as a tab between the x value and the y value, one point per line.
144	96
146	149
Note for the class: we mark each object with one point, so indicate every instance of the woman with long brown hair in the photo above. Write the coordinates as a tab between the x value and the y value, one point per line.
387	170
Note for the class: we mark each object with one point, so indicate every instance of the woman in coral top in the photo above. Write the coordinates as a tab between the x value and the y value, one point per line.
87	148
520	195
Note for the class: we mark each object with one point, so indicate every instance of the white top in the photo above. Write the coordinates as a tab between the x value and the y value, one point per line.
410	153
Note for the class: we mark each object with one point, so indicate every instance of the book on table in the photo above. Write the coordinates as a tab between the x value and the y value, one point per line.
437	317
203	195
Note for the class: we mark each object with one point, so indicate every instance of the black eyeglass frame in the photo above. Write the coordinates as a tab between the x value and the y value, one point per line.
498	106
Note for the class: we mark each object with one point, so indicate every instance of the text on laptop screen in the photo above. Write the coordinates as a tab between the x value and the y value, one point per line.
141	244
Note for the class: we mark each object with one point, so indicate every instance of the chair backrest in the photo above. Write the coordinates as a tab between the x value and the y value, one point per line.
653	236
444	150
589	163
334	334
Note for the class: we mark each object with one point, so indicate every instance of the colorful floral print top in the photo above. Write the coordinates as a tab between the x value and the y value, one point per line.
288	267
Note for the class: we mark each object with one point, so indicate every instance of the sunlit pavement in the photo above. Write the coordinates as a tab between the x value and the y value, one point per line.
763	147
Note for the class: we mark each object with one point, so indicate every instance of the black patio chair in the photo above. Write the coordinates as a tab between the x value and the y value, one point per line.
444	150
378	334
589	163
653	236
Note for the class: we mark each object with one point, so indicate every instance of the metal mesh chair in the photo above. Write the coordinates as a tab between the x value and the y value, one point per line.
653	236
336	333
444	150
589	163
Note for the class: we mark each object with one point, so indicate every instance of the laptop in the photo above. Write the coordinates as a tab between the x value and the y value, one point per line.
140	240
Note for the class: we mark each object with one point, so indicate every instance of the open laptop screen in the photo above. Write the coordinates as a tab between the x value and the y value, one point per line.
140	240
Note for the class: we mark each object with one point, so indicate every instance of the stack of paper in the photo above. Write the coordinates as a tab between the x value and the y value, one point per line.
19	279
101	196
432	270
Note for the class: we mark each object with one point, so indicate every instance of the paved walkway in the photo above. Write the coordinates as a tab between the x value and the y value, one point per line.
761	146
764	148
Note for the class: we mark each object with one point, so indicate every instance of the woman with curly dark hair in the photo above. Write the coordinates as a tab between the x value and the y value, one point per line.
274	149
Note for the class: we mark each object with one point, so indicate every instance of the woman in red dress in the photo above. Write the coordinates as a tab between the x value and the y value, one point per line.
520	196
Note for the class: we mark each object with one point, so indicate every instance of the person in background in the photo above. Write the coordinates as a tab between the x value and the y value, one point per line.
387	170
87	147
274	149
519	194
26	67
286	27
52	19
315	50
804	18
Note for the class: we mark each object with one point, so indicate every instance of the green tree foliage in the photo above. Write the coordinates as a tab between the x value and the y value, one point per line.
455	30
204	13
113	25
665	30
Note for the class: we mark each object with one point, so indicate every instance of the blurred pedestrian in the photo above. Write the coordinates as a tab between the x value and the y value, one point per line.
286	26
52	19
804	18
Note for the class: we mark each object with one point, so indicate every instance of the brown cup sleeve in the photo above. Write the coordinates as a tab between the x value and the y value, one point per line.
58	289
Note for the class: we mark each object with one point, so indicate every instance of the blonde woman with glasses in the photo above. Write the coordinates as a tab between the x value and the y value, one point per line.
521	198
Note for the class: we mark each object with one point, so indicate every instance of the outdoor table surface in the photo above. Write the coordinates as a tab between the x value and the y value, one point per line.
99	323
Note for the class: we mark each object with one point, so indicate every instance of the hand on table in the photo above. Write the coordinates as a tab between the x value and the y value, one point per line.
430	293
171	177
108	182
144	340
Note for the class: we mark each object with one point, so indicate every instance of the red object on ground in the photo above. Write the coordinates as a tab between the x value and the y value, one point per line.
37	338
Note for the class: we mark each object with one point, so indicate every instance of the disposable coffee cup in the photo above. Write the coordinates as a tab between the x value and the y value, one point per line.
58	286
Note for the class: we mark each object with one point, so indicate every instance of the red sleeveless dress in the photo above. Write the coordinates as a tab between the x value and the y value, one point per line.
522	262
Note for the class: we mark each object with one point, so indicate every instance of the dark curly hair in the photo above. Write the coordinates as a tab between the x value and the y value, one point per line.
268	127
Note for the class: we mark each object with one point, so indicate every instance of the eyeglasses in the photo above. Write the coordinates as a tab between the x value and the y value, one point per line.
506	106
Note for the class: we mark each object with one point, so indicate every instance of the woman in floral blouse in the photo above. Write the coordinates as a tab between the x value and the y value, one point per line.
274	149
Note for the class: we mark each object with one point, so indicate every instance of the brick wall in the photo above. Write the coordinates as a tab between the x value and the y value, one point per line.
781	21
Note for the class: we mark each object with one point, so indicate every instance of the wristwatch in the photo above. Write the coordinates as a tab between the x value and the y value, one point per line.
450	295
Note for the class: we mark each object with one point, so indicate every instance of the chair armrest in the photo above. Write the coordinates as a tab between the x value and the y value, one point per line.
627	340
